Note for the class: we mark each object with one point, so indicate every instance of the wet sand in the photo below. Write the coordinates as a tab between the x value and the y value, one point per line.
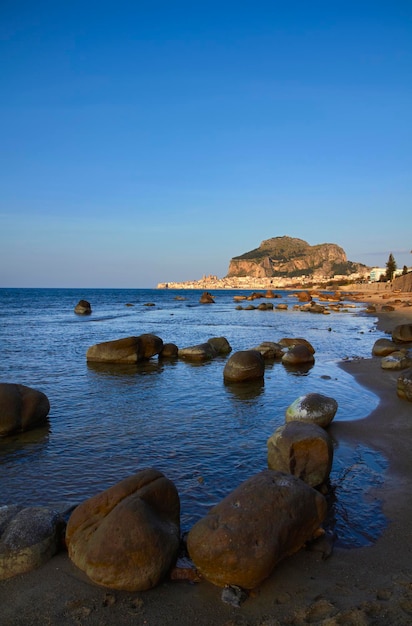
371	585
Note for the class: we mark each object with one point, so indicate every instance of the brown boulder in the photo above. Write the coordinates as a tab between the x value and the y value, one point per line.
127	537
201	352
21	408
169	351
298	355
383	347
220	345
243	366
304	296
127	350
402	333
270	350
304	450
206	298
268	517
397	360
290	342
83	308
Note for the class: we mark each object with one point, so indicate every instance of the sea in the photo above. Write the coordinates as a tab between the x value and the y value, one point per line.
108	422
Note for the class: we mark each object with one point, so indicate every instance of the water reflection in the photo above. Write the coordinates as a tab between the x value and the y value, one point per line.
29	441
128	369
355	515
245	391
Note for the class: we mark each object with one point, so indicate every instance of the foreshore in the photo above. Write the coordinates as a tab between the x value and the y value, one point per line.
371	585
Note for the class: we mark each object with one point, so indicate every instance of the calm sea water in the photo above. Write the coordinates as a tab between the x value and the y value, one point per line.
107	423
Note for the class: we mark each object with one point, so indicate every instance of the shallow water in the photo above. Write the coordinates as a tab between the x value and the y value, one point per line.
106	423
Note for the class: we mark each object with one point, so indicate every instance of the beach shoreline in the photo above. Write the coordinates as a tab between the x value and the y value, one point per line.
371	585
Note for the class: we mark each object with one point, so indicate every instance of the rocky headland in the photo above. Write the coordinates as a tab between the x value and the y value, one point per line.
282	262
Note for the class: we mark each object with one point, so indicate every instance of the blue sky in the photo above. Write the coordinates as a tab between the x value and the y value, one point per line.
150	141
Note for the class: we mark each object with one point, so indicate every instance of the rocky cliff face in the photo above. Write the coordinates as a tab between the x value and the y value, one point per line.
288	256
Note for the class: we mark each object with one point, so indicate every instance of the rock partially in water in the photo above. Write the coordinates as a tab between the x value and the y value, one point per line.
304	450
312	408
221	345
206	298
127	350
244	366
21	408
299	354
83	308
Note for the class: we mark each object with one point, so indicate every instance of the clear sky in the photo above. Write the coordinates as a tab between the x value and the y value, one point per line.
150	140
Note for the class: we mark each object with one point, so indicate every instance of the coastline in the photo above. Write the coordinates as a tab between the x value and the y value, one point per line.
371	585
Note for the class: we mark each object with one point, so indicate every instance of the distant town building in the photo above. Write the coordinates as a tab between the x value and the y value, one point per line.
377	272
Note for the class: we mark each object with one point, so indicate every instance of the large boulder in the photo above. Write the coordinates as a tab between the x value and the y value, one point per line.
29	536
244	366
312	408
270	350
383	347
21	408
221	345
268	517
83	308
397	360
304	450
169	351
298	354
304	296
402	333
200	352
127	350
290	342
404	385
127	537
206	298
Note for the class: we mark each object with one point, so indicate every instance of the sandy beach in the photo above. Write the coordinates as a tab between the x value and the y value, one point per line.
371	585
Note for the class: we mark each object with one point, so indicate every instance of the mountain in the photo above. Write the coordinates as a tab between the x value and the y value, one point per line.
288	257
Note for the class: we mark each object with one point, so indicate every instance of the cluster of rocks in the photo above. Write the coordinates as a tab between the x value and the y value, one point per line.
396	354
128	537
305	298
